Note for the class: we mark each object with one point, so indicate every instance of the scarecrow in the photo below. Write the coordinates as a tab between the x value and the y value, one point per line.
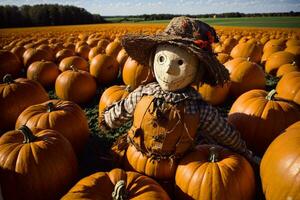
167	113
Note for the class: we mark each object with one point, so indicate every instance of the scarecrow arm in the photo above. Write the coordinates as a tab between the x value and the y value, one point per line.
121	111
215	126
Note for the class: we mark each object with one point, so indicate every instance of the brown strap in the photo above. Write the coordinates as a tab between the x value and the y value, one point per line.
138	119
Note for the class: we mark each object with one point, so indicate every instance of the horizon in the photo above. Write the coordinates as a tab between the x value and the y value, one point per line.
192	7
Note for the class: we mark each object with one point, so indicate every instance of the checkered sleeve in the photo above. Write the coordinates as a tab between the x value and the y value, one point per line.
122	111
217	127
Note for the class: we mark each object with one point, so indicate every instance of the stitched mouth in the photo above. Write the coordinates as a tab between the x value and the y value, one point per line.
174	81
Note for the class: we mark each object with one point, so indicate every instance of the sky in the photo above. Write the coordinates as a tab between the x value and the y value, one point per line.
138	7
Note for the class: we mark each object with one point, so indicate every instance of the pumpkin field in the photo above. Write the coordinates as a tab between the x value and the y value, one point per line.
56	83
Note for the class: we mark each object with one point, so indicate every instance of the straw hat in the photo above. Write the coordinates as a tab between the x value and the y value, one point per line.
192	34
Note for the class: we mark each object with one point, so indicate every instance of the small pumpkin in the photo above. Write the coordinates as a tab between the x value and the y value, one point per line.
135	74
31	55
116	185
64	53
213	173
83	51
261	116
244	75
287	68
15	96
75	61
65	117
18	51
104	68
75	85
36	164
113	48
121	58
44	72
278	59
288	87
279	169
214	95
95	51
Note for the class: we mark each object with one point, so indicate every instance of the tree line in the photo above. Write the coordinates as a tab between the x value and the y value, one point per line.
150	17
45	15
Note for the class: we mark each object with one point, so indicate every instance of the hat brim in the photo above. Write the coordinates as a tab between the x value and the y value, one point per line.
140	48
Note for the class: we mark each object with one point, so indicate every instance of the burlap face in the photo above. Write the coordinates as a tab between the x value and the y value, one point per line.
174	68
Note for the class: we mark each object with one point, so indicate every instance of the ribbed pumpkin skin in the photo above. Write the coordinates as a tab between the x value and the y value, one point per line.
113	48
278	59
9	64
44	72
64	53
230	178
104	68
259	120
101	185
15	97
75	61
287	68
247	49
43	169
66	118
161	169
32	55
75	85
279	169
244	76
289	87
135	74
111	95
215	95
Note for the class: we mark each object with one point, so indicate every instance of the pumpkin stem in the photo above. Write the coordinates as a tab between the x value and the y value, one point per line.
293	63
248	59
119	192
27	133
271	95
74	68
51	107
8	79
213	154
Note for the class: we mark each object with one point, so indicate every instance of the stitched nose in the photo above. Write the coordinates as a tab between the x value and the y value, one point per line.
172	68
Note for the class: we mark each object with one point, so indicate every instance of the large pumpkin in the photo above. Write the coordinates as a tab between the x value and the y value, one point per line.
214	95
44	72
15	96
65	117
279	169
278	59
251	50
75	85
244	75
75	61
111	95
37	164
104	68
261	117
9	64
135	74
214	173
289	87
31	55
116	185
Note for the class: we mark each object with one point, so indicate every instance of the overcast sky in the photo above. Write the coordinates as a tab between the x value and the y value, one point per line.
136	7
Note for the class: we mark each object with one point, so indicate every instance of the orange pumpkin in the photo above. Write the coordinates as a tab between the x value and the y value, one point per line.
213	173
278	59
251	50
64	53
104	68
9	64
18	51
135	74
279	169
288	87
214	95
83	51
44	72
223	57
15	96
121	58
65	117
75	85
244	76
258	115
113	49
42	160
286	68
95	51
116	184
32	55
103	43
75	61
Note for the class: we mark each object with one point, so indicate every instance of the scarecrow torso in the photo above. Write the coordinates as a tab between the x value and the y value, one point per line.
162	129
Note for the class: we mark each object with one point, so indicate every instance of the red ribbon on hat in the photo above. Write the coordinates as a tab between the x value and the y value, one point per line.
202	44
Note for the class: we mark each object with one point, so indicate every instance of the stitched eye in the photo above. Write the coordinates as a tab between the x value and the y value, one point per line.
161	59
180	62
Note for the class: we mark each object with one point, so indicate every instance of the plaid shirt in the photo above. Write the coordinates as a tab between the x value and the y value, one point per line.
212	123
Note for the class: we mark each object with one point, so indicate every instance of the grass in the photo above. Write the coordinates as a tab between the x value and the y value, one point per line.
274	22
